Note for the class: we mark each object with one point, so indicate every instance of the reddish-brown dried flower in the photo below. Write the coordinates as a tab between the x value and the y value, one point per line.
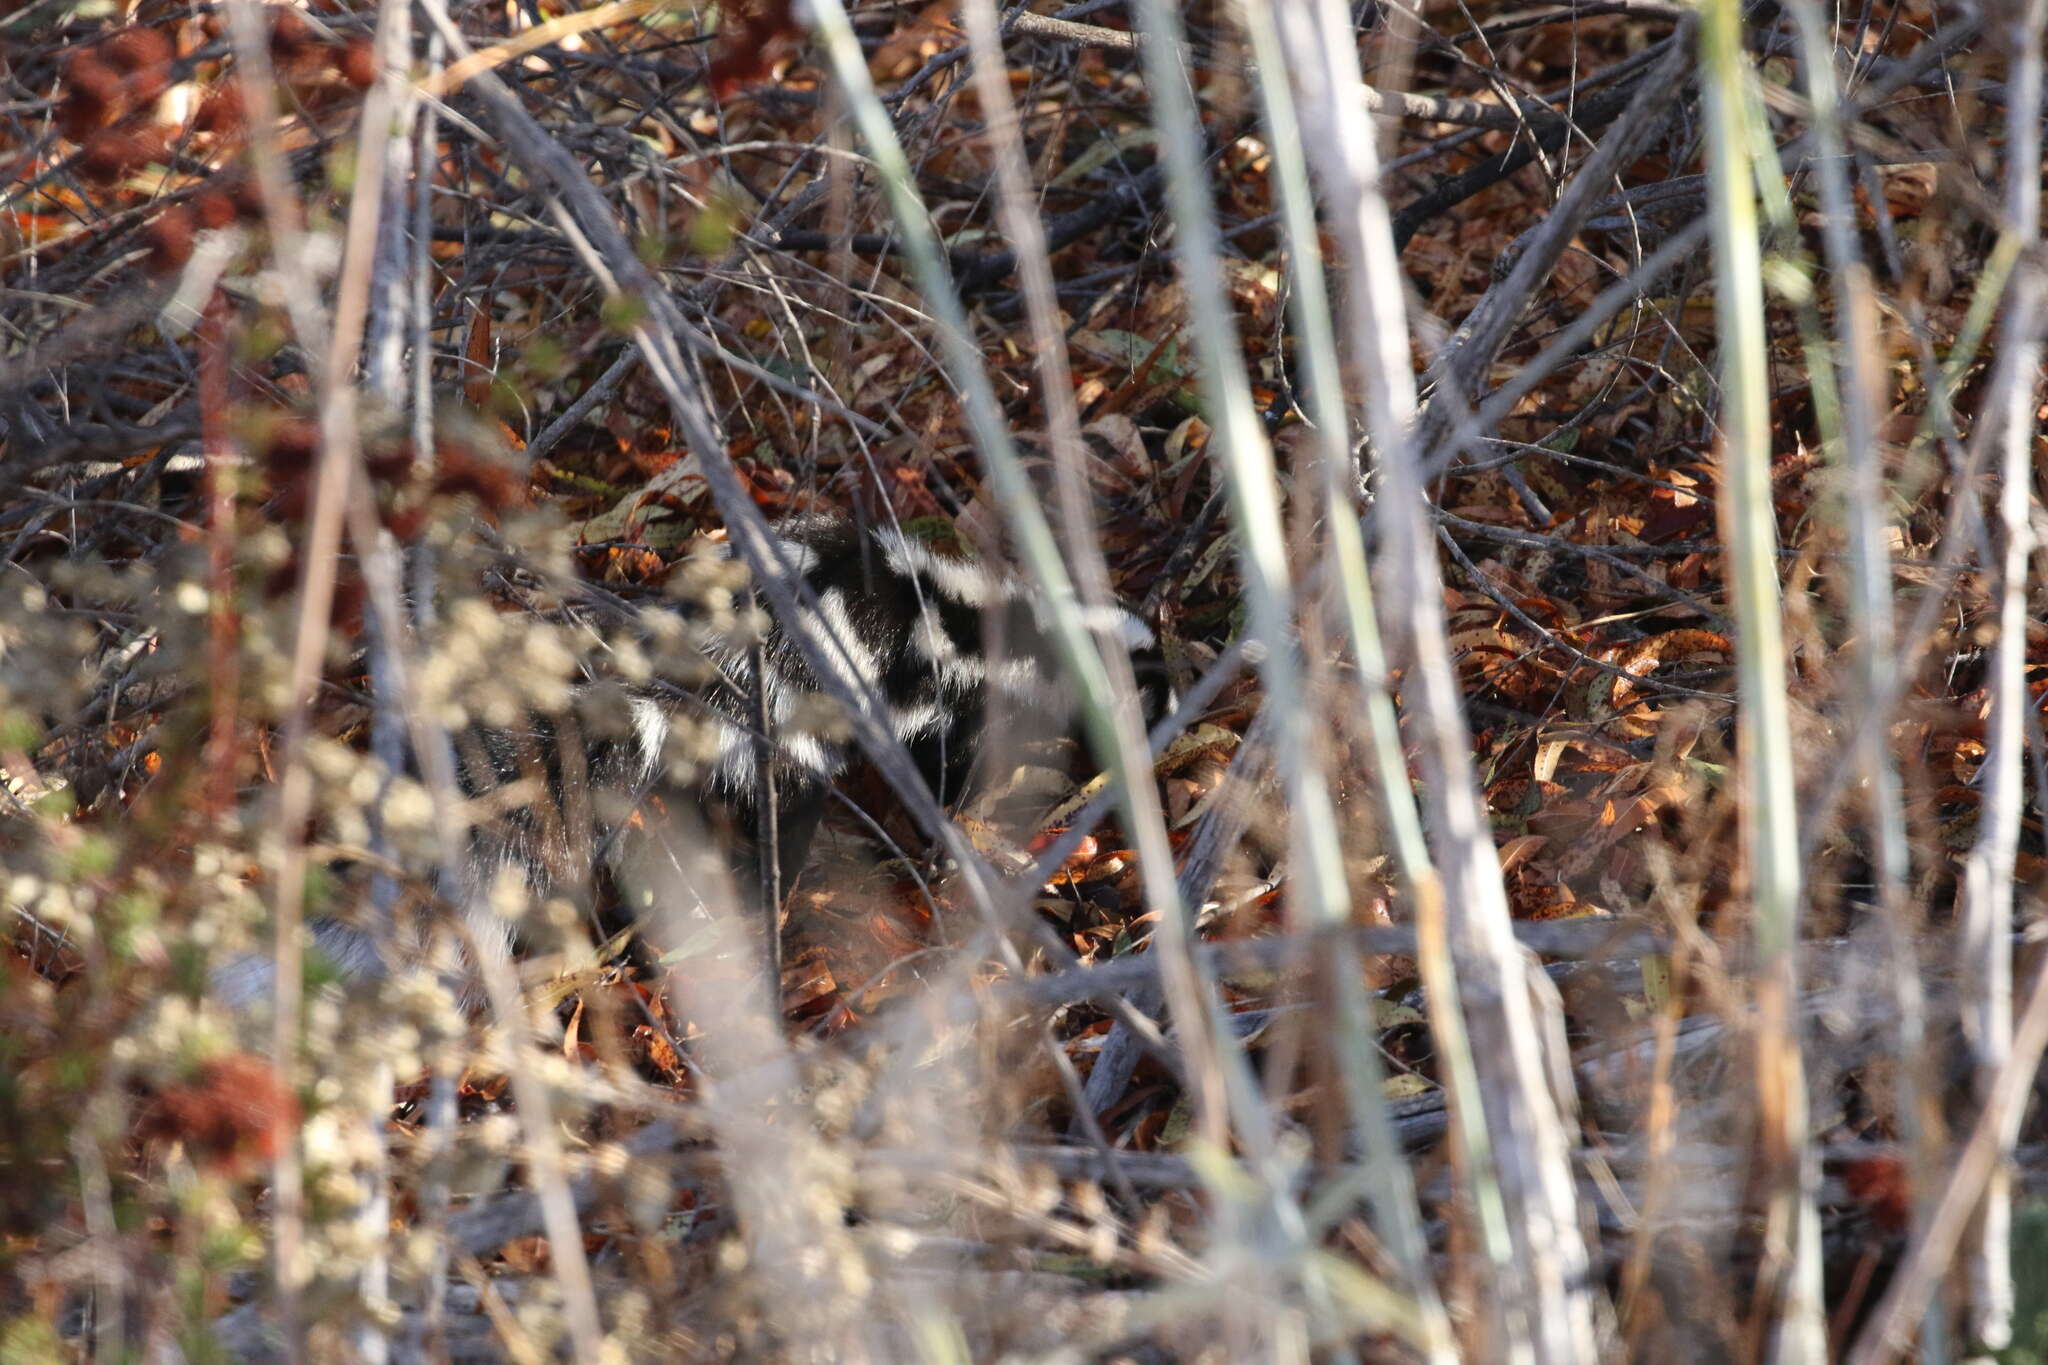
233	1112
406	523
764	27
247	199
282	579
143	57
351	601
290	34
111	153
291	445
388	463
491	482
221	112
146	87
137	49
169	235
93	97
1883	1186
291	497
358	63
213	209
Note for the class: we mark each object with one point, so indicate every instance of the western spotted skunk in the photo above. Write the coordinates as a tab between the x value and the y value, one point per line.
940	643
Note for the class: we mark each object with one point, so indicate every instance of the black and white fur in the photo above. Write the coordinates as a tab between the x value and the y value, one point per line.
937	644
